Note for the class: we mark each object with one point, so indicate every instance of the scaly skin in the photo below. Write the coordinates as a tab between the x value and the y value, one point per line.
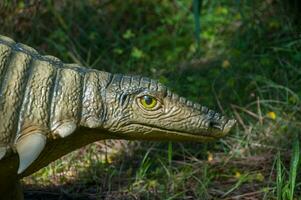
48	109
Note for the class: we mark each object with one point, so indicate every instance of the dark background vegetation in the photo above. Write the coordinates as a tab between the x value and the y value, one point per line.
243	59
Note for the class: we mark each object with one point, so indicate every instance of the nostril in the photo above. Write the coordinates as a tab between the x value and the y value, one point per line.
211	124
214	124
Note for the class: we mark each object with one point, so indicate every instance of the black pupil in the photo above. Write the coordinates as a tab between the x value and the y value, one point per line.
148	100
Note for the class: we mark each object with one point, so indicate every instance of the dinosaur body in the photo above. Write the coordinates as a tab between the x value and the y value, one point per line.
48	109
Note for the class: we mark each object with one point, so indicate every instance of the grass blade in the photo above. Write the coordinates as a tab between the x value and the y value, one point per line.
169	153
294	166
279	180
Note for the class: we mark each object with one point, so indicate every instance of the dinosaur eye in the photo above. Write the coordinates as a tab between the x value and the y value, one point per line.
148	102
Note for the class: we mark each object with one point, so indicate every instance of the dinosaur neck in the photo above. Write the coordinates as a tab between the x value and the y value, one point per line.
92	112
78	99
94	109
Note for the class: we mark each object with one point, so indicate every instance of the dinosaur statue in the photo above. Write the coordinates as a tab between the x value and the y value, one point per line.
48	109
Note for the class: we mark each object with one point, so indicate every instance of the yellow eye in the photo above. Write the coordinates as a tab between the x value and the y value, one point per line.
148	102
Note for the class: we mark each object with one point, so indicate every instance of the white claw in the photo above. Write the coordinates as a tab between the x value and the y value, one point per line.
29	148
2	152
65	129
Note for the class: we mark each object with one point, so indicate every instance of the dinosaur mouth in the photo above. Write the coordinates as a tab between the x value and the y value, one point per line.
159	133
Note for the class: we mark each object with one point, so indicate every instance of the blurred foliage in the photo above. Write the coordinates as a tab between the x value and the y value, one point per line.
246	62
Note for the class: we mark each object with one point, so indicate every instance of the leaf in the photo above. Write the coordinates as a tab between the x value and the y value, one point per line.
128	34
137	53
226	64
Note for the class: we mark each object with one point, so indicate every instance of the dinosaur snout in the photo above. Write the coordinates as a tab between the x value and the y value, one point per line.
214	124
228	125
223	126
220	127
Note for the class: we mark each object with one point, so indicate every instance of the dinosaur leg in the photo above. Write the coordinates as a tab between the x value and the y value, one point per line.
18	191
10	187
11	190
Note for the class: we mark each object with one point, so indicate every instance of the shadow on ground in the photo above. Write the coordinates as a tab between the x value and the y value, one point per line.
234	178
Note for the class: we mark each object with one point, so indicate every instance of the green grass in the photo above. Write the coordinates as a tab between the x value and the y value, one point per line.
245	63
286	180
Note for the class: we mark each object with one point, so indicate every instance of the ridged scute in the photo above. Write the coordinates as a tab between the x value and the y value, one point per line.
7	40
52	59
5	52
27	49
92	105
35	108
67	94
12	94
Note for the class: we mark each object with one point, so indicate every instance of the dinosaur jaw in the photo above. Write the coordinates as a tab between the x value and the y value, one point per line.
143	132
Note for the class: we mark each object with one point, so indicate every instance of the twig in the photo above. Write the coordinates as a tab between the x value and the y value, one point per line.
246	111
239	119
246	195
259	112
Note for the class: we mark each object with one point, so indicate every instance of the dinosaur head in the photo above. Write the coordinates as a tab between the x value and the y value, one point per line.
140	108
